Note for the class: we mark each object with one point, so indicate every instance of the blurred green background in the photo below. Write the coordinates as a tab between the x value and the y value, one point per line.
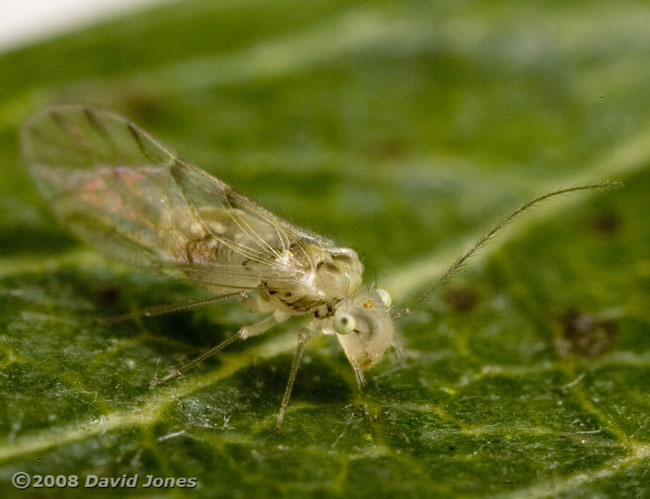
402	130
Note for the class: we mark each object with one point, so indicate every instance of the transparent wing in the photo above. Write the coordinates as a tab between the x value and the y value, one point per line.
132	199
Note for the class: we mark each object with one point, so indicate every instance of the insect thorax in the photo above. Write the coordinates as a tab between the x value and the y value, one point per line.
324	276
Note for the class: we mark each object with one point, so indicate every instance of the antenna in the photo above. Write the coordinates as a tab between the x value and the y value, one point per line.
480	244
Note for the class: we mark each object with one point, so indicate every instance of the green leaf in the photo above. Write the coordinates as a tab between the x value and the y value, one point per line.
403	130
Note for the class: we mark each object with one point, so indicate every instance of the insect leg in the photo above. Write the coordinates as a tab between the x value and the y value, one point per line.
172	307
361	380
398	345
244	333
195	361
261	326
303	336
399	349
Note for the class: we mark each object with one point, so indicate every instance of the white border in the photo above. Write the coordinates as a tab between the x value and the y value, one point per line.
26	21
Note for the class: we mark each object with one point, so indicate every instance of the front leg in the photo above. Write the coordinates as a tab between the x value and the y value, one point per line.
361	380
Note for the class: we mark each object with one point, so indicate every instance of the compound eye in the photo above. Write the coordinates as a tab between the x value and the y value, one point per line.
385	297
344	323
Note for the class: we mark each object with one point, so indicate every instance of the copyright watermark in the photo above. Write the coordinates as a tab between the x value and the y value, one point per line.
22	480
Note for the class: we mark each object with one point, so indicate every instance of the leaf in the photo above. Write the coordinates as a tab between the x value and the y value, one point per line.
403	130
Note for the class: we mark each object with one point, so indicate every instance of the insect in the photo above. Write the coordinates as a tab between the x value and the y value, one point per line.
132	199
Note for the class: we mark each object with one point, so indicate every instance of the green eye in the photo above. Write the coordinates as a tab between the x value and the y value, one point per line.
344	323
385	297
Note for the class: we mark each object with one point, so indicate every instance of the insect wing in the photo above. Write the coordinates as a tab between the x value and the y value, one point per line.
132	199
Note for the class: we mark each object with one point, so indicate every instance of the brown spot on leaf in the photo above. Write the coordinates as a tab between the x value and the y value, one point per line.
108	295
607	223
140	103
389	150
462	300
588	335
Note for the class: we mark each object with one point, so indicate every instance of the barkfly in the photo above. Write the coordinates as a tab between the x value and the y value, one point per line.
132	199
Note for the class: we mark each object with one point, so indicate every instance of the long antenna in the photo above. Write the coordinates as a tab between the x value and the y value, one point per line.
480	244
